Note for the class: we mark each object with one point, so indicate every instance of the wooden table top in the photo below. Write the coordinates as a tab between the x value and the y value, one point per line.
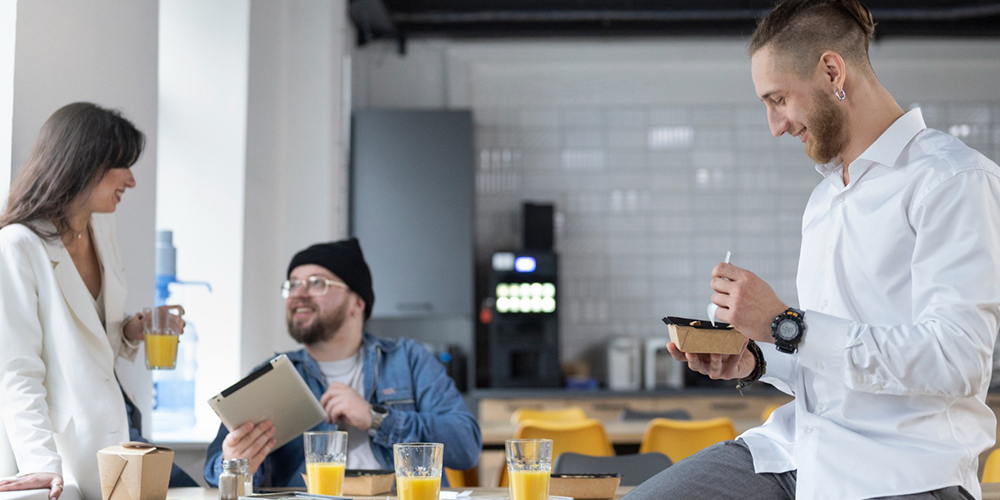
991	491
483	493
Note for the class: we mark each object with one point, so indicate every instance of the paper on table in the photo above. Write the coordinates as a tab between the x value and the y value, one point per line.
452	495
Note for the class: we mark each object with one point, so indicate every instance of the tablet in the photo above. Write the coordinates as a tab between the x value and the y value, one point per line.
274	392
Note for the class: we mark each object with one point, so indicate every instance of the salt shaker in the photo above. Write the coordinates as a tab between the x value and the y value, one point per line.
247	477
230	481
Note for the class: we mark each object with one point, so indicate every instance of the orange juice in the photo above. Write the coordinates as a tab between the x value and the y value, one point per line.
529	484
161	351
418	488
325	478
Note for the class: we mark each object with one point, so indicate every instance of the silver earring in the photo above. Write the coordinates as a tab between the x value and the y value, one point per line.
841	95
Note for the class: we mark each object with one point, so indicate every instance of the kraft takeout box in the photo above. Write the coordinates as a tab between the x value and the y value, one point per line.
135	471
584	485
368	482
365	483
700	336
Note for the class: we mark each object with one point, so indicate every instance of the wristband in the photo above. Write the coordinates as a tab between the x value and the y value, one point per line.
759	369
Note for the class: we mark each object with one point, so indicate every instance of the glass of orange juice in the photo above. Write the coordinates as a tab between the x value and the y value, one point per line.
326	456
162	327
529	464
418	470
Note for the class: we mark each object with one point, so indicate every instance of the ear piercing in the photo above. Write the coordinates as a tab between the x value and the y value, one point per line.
841	95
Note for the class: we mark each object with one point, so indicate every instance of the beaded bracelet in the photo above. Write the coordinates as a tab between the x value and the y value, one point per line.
759	369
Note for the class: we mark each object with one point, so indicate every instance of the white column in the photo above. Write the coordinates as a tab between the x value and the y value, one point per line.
102	51
296	187
202	162
8	23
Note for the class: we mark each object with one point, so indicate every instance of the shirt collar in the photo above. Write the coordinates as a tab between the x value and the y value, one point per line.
887	148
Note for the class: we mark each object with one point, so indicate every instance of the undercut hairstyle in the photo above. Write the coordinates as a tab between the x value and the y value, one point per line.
76	146
801	30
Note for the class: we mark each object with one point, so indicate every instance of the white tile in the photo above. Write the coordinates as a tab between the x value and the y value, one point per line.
583	139
626	118
627	138
539	118
581	118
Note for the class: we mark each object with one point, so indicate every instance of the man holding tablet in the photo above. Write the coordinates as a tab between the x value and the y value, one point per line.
381	392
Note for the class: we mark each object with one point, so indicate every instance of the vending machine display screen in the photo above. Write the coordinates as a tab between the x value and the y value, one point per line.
526	298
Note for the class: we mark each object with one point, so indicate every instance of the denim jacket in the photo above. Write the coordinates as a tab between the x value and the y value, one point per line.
423	403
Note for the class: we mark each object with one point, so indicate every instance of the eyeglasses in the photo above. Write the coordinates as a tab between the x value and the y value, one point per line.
315	286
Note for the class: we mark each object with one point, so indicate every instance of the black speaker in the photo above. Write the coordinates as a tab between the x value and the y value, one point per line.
538	229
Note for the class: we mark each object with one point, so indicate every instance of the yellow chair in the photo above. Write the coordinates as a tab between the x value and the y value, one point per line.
462	478
585	436
991	471
557	415
679	439
767	412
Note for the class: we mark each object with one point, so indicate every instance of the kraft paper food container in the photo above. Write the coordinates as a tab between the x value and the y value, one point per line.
584	485
368	482
135	471
699	336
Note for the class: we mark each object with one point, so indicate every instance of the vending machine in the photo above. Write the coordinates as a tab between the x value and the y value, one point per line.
524	331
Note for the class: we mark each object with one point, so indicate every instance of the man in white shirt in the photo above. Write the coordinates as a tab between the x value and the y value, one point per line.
889	357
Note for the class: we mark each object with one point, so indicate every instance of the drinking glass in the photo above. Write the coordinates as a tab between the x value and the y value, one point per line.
326	456
418	470
529	464
162	327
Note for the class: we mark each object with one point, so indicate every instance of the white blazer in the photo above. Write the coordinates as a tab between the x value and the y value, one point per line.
59	398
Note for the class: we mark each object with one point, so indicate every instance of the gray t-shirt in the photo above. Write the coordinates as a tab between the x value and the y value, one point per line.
349	372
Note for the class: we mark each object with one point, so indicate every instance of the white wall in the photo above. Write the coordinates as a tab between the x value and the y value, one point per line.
103	51
296	178
8	18
462	74
640	224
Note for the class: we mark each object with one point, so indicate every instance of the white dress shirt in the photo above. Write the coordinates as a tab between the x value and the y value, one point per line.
899	277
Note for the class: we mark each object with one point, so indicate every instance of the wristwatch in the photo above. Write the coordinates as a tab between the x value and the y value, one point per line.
378	413
788	329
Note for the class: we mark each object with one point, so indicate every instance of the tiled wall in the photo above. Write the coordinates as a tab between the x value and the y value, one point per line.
650	199
656	154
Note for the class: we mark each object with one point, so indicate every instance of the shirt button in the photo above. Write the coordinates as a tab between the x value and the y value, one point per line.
826	303
840	198
829	249
877	387
820	407
820	366
808	430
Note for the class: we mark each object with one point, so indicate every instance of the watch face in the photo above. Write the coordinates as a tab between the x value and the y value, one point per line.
787	329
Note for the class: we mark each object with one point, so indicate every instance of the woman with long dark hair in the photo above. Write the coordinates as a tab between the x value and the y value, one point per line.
62	298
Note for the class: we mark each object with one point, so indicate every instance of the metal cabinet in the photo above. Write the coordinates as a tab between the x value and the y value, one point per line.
412	184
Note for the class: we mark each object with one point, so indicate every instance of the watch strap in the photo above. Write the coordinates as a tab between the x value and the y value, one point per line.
378	414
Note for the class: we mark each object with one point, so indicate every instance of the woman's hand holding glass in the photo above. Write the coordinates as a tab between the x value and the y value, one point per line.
136	325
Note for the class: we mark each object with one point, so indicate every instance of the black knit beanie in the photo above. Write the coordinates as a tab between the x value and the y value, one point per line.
343	258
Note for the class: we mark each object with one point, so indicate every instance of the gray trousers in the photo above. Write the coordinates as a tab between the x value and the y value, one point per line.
724	471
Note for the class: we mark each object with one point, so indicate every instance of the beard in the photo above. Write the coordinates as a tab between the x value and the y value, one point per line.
828	127
323	326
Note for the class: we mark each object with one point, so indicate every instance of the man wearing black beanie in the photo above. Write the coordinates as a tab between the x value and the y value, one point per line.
381	392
